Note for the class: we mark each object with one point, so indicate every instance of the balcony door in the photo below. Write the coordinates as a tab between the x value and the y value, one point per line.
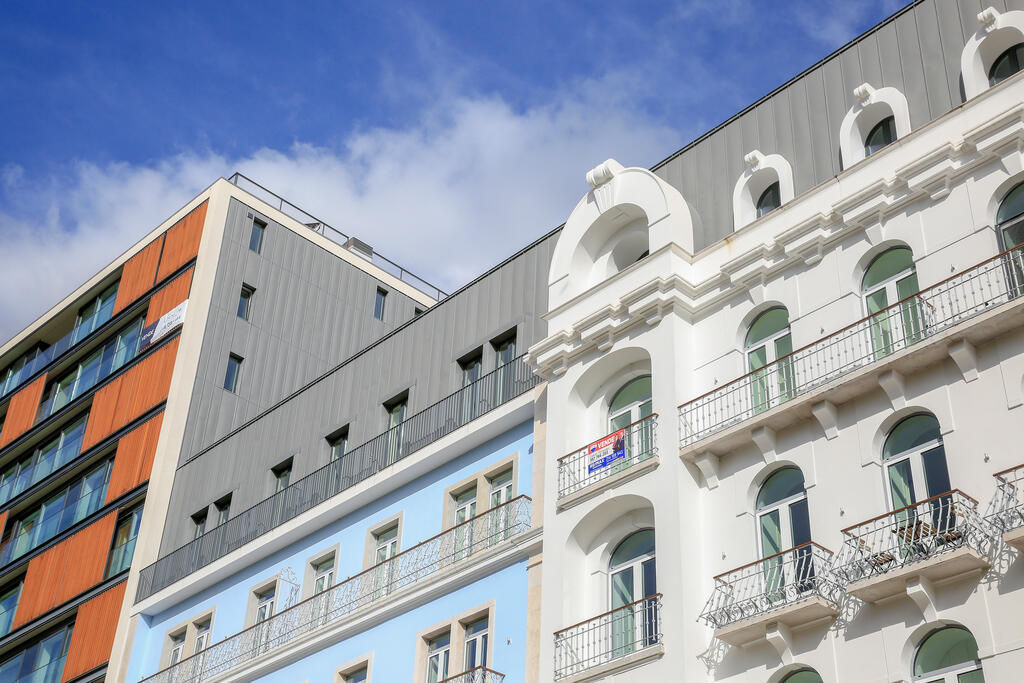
630	404
1010	228
768	340
465	509
784	523
915	470
890	278
948	655
632	577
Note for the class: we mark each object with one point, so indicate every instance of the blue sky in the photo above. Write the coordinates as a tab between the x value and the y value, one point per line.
446	135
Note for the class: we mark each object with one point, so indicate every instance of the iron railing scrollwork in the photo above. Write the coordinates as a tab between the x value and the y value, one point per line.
578	470
768	584
609	636
456	410
483	532
1007	506
904	323
479	674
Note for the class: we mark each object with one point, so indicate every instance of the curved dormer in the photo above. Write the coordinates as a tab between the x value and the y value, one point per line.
993	53
628	214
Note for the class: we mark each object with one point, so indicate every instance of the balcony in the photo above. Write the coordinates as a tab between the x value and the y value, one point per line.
480	674
1008	506
793	588
619	456
489	531
614	641
784	391
444	417
939	538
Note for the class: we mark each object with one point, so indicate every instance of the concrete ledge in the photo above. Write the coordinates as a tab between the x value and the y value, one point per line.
803	613
935	569
614	480
1015	538
618	665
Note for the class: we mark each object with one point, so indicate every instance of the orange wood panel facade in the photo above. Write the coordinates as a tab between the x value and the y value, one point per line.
67	569
21	412
172	294
131	394
93	634
138	274
134	460
182	242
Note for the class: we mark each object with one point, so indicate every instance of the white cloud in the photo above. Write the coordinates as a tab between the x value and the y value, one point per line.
468	185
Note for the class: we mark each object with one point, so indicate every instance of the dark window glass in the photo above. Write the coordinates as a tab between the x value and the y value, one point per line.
338	443
256	236
769	201
223	509
1006	64
884	133
378	304
234	369
8	606
123	547
199	523
245	301
282	476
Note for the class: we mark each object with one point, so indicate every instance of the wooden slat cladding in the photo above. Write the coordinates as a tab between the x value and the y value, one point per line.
134	460
21	412
182	242
131	394
138	274
93	635
69	568
169	296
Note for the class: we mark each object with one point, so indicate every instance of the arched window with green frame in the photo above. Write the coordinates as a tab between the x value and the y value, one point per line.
767	346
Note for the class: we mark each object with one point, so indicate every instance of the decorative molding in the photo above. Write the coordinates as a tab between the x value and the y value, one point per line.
602	173
827	416
764	438
987	18
894	386
780	637
921	591
707	463
963	354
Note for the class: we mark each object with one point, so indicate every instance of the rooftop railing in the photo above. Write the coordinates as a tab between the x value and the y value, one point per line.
333	234
614	453
480	674
906	322
1007	511
459	543
456	410
771	583
609	636
938	525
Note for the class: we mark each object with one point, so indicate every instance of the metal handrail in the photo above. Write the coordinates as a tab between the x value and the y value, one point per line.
608	636
455	545
478	674
1006	510
333	234
932	527
919	316
770	583
576	471
420	430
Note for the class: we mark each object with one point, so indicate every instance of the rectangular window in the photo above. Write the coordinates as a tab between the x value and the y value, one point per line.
475	648
338	443
177	648
245	301
438	653
202	636
94	313
378	304
8	606
41	660
396	410
265	605
357	676
323	575
199	523
223	507
44	461
123	548
417	312
472	368
282	475
232	373
256	235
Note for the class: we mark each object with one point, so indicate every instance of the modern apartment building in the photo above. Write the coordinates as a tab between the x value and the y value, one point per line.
750	415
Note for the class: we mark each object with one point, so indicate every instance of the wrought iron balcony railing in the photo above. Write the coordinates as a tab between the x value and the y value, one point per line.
774	582
423	428
609	636
906	322
459	543
1007	509
938	525
609	455
480	674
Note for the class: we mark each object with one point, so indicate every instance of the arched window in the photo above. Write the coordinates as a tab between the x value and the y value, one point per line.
892	277
630	405
883	134
948	655
767	341
803	676
769	200
915	461
631	576
782	518
1006	64
1010	218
